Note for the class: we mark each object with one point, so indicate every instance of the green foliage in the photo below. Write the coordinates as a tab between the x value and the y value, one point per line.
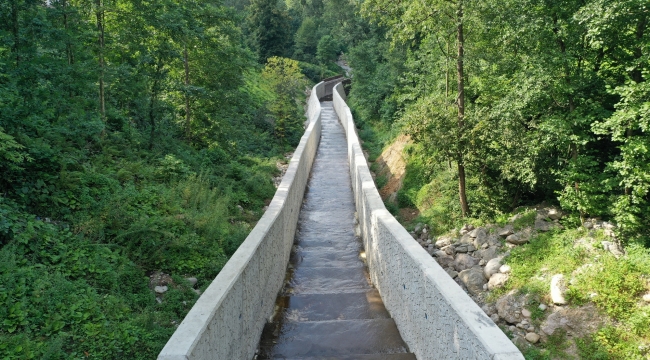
590	349
128	147
555	106
270	24
524	219
616	282
315	73
328	49
284	78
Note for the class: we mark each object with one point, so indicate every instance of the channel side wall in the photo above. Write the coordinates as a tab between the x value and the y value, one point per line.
227	320
435	317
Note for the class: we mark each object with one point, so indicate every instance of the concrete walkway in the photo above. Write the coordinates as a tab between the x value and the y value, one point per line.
328	307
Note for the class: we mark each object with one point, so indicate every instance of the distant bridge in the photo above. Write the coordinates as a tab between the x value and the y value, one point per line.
328	273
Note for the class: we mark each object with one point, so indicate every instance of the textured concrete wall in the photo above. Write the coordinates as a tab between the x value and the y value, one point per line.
434	315
227	320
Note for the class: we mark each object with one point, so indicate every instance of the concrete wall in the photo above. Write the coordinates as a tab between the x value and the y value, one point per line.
435	317
227	320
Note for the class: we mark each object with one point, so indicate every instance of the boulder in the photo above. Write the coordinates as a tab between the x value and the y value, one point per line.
532	338
542	225
466	240
449	250
487	254
192	280
509	307
473	280
497	281
526	313
646	298
495	318
443	241
453	274
464	261
554	214
445	260
466	228
480	237
517	239
505	269
553	322
613	248
160	289
558	288
506	232
492	267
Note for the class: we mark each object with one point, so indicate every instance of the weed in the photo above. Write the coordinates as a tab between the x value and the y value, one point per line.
524	219
381	181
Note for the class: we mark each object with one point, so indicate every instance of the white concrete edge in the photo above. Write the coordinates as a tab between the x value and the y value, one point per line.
195	323
488	333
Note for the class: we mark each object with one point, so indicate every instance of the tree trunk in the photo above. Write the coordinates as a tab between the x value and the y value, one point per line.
447	73
100	56
461	111
153	95
15	30
637	75
68	45
188	124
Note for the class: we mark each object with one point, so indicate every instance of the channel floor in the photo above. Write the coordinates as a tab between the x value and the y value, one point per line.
328	308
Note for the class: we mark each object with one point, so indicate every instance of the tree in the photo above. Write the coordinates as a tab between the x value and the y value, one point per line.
270	25
285	80
415	22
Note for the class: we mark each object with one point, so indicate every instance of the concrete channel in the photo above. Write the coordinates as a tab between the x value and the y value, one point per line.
328	307
315	284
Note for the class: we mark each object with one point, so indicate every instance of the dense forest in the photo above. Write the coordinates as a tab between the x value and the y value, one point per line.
136	138
141	137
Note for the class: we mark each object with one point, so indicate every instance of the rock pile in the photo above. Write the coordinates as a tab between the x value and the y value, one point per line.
474	258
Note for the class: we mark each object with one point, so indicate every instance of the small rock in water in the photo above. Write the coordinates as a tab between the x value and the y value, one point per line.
558	288
161	289
532	337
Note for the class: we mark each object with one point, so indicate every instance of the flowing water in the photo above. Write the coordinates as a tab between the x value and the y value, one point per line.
328	309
